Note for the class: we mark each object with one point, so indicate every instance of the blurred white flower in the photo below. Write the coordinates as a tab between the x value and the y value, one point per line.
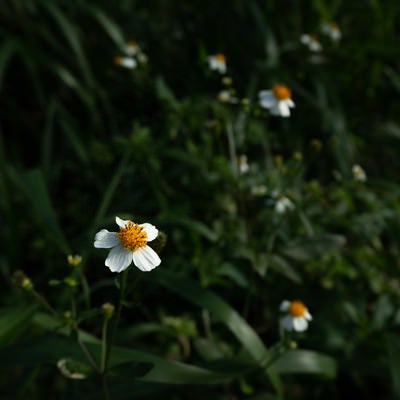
259	190
217	62
225	96
125	62
332	30
297	316
283	204
311	41
278	100
241	162
129	244
358	173
131	48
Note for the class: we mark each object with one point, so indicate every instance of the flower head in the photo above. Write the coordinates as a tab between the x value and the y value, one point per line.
242	165
358	173
217	62
297	315
131	48
283	204
278	100
129	244
332	30
225	96
311	41
125	62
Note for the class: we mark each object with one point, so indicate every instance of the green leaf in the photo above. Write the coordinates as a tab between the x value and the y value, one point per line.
392	344
204	298
306	248
33	184
13	322
306	362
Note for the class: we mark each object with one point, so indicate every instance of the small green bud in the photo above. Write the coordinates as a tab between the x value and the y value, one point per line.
108	310
74	260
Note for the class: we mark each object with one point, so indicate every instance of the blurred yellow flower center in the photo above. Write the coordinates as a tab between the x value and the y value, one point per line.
220	57
132	236
281	92
297	309
132	44
334	25
118	60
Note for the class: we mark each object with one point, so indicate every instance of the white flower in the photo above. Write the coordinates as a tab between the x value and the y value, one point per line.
311	41
259	190
358	173
125	62
283	204
217	62
297	316
277	100
332	30
131	48
129	244
241	162
224	96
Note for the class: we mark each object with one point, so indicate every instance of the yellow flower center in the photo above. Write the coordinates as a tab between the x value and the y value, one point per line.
297	309
334	26
118	60
132	236
281	92
220	57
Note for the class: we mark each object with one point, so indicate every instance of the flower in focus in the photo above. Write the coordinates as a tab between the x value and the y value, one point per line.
358	173
311	41
217	62
125	62
278	100
129	244
297	316
241	162
332	30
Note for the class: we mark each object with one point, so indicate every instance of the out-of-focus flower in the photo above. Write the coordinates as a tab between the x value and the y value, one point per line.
283	204
278	100
125	62
217	62
74	260
358	173
225	96
241	162
311	41
259	190
332	30
131	48
129	244
297	316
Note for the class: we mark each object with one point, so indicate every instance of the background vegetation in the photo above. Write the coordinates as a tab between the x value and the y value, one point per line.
83	140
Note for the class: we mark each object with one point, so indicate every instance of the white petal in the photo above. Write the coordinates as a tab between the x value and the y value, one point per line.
105	239
121	222
151	231
267	98
300	324
290	102
287	322
119	259
284	305
307	315
146	259
305	39
284	110
275	110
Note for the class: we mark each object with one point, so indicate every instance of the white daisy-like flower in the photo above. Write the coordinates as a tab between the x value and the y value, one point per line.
217	62
283	204
297	315
125	62
278	100
129	244
332	30
311	41
358	173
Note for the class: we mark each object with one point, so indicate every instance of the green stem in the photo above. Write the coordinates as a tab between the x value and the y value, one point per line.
104	345
123	279
104	383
